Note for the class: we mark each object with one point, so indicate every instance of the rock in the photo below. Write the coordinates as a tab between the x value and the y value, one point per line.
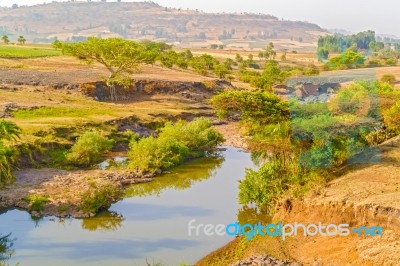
264	261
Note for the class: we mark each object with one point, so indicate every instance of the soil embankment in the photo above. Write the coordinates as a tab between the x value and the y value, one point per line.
362	195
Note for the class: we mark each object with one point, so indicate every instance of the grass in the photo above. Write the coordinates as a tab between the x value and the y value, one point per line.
49	111
26	52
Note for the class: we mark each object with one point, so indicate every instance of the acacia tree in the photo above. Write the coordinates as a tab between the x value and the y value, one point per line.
21	39
5	39
122	58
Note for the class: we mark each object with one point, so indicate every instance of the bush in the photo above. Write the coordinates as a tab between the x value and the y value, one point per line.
36	202
348	59
98	196
390	79
175	144
89	148
274	179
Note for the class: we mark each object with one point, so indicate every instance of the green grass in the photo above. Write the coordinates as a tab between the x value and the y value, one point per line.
26	52
47	111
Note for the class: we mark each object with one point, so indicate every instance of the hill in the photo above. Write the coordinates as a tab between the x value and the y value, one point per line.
147	20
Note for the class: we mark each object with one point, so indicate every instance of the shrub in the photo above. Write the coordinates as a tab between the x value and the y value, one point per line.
175	144
348	59
36	202
89	148
98	196
274	179
390	79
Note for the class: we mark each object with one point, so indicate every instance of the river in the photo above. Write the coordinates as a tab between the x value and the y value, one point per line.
151	222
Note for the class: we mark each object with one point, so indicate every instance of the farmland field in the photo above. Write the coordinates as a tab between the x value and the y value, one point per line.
26	52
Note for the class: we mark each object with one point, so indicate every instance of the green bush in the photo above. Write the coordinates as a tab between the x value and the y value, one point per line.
99	196
37	202
348	59
274	179
89	148
175	144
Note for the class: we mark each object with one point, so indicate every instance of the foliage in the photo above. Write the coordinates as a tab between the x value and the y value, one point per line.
348	59
57	44
175	144
338	43
295	147
98	196
271	75
252	106
268	53
6	245
392	117
89	148
274	179
5	39
21	40
221	71
36	202
322	53
121	57
8	132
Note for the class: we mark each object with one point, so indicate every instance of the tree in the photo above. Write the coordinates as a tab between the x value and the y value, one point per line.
271	75
57	44
348	59
322	53
5	39
269	51
239	58
122	58
21	40
221	71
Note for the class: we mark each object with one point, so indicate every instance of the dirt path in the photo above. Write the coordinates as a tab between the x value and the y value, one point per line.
231	133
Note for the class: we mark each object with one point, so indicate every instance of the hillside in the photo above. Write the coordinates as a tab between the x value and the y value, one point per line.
147	20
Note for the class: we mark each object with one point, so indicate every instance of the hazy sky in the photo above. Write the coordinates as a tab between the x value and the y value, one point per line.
353	15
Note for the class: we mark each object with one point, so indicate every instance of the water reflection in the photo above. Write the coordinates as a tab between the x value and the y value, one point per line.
153	226
6	251
182	177
252	215
105	221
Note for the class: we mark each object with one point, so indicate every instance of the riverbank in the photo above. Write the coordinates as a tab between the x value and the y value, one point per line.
60	193
361	195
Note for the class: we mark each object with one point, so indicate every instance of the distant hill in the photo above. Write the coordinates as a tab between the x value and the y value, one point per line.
148	20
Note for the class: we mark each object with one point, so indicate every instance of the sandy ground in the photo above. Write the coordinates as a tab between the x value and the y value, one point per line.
231	133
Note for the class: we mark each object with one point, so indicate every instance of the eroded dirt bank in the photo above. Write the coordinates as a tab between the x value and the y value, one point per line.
362	195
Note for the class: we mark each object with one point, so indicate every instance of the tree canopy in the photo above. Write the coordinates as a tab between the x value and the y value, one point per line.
121	57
